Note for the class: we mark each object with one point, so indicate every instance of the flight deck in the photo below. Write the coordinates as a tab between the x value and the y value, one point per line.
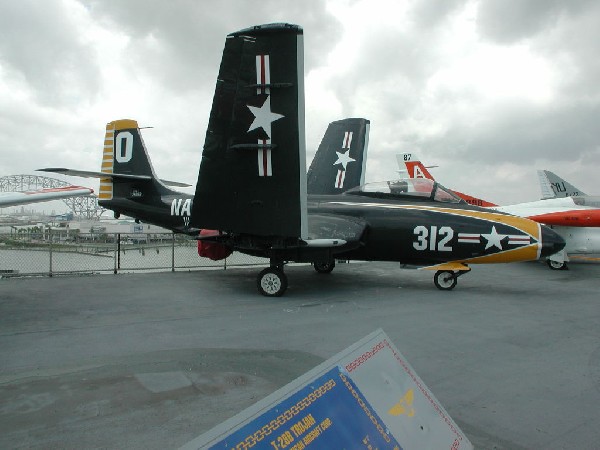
154	360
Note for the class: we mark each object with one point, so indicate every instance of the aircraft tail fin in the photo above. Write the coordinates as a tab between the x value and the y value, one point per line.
414	166
126	164
126	170
553	186
252	177
416	169
341	158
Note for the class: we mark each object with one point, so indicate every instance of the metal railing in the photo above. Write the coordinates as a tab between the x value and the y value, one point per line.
46	252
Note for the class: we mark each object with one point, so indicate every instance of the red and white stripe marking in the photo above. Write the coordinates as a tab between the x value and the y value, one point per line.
469	238
347	139
339	180
513	239
518	239
263	74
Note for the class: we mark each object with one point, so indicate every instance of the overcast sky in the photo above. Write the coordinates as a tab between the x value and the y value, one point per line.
488	90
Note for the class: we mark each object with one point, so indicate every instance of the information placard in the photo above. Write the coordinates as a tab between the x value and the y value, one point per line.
367	396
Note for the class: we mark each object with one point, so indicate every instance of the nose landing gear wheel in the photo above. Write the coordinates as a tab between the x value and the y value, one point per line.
272	282
557	265
324	267
445	280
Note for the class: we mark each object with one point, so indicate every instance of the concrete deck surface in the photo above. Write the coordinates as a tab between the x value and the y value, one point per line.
154	360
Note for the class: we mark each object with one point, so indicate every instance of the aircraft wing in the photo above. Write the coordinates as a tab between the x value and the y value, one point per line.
325	231
42	195
329	227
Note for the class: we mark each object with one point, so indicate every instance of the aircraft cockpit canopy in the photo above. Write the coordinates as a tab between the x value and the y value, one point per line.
407	188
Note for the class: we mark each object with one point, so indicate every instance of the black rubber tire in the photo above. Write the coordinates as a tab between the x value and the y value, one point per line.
324	267
557	265
272	282
445	280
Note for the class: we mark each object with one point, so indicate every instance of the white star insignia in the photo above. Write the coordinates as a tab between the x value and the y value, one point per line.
263	117
343	159
493	239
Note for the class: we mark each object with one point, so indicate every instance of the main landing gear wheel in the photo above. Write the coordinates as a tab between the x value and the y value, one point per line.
324	267
557	265
272	282
445	280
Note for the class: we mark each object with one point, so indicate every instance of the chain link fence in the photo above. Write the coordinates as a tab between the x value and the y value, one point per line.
53	252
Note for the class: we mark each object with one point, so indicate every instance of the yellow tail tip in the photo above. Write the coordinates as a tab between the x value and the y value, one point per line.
122	124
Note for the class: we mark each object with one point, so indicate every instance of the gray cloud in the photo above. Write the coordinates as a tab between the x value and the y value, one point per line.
431	13
396	64
180	42
39	45
523	134
177	46
508	21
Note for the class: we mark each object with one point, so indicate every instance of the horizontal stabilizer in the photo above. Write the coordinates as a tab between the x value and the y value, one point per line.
113	176
91	174
402	171
174	183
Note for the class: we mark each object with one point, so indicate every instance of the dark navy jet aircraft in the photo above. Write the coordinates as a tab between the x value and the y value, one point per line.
252	185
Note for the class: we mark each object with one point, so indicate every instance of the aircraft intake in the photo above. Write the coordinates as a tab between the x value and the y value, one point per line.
552	242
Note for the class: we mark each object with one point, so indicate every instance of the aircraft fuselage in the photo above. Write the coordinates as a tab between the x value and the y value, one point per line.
426	233
409	230
168	211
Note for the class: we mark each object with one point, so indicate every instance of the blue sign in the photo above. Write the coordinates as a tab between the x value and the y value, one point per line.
329	412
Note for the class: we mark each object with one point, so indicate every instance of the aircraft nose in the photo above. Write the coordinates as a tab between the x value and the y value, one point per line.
552	242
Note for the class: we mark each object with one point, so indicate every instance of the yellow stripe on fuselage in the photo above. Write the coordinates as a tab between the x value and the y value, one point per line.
526	225
530	252
454	266
525	253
